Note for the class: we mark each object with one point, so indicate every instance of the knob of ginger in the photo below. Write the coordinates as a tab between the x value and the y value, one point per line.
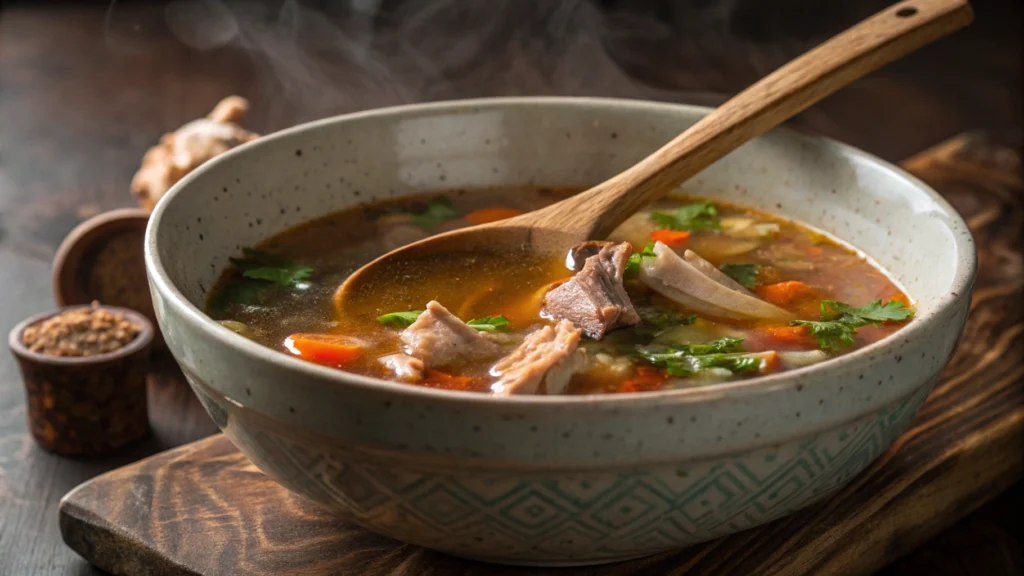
185	149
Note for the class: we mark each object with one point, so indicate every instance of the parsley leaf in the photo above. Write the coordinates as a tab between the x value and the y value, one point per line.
260	272
489	323
439	210
735	363
871	313
664	319
246	293
284	275
839	321
689	359
831	336
400	319
692	217
665	355
745	274
633	264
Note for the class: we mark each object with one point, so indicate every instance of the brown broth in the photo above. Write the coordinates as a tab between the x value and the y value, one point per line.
513	285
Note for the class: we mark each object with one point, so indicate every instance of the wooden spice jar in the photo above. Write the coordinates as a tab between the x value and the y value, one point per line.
91	399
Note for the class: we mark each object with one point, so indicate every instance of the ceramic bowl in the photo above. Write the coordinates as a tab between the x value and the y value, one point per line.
553	480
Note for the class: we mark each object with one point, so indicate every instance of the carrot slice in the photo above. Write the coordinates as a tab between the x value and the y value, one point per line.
324	348
438	379
670	237
789	334
785	293
485	215
645	379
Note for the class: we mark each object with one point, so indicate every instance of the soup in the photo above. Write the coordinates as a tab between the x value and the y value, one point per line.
688	292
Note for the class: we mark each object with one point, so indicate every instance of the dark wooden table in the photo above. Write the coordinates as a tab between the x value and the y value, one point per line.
86	88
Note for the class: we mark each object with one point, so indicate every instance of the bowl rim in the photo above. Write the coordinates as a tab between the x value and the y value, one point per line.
962	283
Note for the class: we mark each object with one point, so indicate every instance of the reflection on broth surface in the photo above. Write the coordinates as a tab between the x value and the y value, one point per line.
686	293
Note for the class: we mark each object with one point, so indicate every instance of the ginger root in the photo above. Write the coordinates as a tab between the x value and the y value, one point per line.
183	150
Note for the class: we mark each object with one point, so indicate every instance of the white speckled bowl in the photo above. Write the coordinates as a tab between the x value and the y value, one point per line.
553	480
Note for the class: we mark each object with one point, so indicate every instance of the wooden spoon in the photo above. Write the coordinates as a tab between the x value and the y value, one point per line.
594	213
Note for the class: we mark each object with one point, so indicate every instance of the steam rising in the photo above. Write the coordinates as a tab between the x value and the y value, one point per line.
358	54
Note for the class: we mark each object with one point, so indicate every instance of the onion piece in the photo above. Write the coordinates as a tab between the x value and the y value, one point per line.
801	358
675	278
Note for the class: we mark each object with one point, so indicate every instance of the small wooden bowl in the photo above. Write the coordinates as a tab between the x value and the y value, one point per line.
88	405
102	260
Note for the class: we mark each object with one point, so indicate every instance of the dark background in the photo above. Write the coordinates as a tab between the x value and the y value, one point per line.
87	87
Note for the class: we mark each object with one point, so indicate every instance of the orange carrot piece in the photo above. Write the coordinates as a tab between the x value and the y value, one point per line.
485	215
772	363
324	348
645	379
785	293
789	334
670	237
438	379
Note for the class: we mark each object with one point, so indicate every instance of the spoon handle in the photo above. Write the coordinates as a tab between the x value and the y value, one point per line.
882	38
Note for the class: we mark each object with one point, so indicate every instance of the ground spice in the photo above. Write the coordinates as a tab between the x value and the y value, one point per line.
80	332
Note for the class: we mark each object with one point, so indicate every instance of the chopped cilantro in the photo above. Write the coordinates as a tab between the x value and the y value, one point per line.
689	359
745	274
246	293
870	313
400	319
692	218
489	323
735	363
439	210
831	336
633	265
665	319
284	275
839	321
261	271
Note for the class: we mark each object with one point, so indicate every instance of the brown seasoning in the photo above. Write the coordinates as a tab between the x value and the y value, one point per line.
80	332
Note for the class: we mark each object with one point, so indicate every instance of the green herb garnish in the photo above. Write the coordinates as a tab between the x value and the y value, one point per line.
839	321
283	275
261	271
692	217
665	354
665	319
489	323
439	210
745	274
239	292
633	264
735	363
831	336
689	359
871	313
400	319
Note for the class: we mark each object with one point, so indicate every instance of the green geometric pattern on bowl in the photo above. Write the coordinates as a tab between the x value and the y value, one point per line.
554	518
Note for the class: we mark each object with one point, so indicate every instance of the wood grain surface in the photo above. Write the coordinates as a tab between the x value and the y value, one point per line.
204	509
87	86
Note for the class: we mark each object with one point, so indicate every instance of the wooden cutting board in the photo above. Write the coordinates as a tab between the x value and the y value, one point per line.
204	509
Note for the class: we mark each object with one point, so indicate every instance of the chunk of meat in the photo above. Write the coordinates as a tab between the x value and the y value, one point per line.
183	150
578	254
404	367
594	299
543	363
675	278
439	338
